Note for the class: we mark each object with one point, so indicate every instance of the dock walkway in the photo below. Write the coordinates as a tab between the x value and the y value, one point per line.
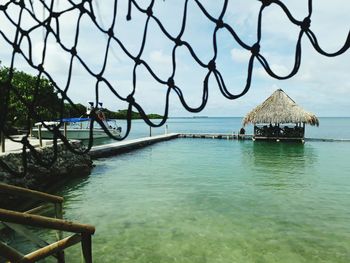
122	146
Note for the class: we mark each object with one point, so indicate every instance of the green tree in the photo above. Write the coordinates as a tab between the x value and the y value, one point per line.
26	94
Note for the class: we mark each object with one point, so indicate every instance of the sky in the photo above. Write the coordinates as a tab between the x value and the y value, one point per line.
322	85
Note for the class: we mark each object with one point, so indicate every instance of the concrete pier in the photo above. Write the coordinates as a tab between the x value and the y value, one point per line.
127	145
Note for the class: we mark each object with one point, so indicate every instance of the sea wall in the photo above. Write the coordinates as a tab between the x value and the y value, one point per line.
39	177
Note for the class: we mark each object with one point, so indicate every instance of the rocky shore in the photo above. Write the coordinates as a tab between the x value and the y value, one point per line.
42	177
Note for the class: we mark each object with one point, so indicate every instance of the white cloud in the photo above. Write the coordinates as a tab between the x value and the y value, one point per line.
56	61
240	55
157	56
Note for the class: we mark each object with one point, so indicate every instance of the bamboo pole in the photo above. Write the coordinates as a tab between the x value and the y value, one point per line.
9	253
10	189
52	249
45	222
39	210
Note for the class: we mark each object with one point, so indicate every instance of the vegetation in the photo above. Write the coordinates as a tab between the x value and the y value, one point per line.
28	94
122	114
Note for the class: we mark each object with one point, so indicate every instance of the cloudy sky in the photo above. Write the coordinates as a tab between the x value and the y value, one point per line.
322	85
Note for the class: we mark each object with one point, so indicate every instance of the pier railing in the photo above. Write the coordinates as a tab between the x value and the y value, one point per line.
18	220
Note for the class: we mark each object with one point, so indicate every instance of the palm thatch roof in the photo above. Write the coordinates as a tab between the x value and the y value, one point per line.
280	108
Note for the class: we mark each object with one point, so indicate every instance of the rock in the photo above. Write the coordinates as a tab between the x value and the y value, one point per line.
43	173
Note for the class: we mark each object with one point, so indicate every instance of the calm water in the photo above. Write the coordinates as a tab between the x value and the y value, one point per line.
203	200
198	200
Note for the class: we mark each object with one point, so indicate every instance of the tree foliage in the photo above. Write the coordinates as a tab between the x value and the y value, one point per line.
26	94
122	114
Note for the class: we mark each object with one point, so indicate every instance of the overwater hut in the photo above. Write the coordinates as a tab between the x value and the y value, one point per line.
279	118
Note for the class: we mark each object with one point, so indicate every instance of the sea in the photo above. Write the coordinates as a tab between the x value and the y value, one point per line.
206	200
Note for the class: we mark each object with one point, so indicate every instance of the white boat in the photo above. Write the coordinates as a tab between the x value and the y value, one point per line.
78	128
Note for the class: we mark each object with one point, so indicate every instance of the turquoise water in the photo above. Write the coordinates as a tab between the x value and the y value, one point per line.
203	200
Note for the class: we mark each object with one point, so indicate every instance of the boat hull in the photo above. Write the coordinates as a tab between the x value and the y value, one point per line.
77	134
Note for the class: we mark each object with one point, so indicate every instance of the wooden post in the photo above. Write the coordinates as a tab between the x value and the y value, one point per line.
2	141
86	247
39	136
65	129
150	131
30	129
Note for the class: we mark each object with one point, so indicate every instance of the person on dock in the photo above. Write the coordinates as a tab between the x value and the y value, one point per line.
241	133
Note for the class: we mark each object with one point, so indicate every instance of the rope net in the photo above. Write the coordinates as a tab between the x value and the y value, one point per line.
53	13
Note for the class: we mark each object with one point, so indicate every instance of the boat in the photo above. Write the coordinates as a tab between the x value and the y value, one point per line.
78	128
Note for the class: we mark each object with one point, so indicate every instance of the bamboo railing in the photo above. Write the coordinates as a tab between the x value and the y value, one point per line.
16	220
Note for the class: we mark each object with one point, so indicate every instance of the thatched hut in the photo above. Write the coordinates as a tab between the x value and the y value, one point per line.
279	117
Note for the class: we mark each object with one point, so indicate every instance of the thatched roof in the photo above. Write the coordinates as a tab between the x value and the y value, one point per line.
279	108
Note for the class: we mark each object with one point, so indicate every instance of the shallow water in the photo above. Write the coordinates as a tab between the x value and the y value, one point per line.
202	200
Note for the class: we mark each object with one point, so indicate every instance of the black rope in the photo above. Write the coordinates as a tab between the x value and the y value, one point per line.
51	28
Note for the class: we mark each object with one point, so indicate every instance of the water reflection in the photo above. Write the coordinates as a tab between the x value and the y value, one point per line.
282	156
280	165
